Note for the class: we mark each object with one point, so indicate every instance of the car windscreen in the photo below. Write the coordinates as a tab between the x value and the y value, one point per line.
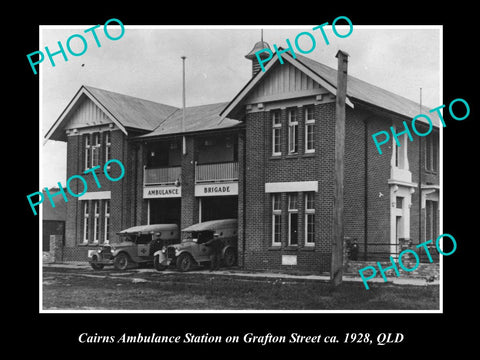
136	238
127	237
200	236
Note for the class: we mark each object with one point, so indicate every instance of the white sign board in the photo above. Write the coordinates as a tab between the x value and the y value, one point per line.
293	186
171	191
289	259
218	189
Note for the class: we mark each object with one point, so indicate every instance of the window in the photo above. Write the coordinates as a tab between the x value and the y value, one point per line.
431	152
96	221
95	149
309	219
88	152
107	146
309	130
276	219
86	216
431	219
106	222
399	204
292	131
293	219
276	133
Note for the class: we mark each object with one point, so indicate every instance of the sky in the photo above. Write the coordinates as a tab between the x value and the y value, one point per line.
146	63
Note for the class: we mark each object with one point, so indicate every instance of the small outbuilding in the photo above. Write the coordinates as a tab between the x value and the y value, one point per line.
53	219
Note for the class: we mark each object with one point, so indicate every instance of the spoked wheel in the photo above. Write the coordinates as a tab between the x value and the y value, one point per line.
95	265
184	262
121	261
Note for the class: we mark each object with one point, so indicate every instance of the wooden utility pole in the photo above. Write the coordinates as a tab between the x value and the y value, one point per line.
336	272
184	142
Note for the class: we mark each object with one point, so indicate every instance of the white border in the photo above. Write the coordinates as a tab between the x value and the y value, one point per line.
436	27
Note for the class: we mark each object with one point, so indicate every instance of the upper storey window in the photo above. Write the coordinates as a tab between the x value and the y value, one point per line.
309	130
93	145
292	131
276	133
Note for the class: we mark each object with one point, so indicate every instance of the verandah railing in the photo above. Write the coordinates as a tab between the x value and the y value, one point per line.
162	176
226	171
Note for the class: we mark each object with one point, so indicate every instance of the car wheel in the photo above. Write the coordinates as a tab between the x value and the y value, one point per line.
157	265
94	264
229	257
122	261
184	262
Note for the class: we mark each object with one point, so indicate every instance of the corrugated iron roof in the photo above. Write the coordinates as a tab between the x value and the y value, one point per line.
135	113
368	93
131	111
197	118
358	90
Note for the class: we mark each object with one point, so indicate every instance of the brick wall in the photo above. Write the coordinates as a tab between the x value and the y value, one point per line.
262	167
241	199
427	178
378	189
189	202
121	195
354	175
413	152
73	164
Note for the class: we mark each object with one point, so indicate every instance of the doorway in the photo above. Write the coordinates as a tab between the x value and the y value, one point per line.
217	207
165	211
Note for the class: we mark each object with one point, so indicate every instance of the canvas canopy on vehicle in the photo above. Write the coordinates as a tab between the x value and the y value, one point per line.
149	229
212	225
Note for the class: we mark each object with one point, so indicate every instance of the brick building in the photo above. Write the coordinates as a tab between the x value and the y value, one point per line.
266	158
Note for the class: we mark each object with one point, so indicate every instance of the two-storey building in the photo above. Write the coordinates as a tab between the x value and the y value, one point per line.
266	158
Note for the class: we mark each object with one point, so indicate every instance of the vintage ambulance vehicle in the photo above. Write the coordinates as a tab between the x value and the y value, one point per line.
193	251
135	246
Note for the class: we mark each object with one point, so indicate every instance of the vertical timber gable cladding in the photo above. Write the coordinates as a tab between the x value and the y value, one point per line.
284	81
87	113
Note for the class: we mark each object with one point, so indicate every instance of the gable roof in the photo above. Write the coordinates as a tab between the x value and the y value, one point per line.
358	91
123	110
365	92
197	118
131	111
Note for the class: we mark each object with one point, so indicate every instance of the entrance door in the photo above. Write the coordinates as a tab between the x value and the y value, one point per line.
401	200
399	233
218	207
165	211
